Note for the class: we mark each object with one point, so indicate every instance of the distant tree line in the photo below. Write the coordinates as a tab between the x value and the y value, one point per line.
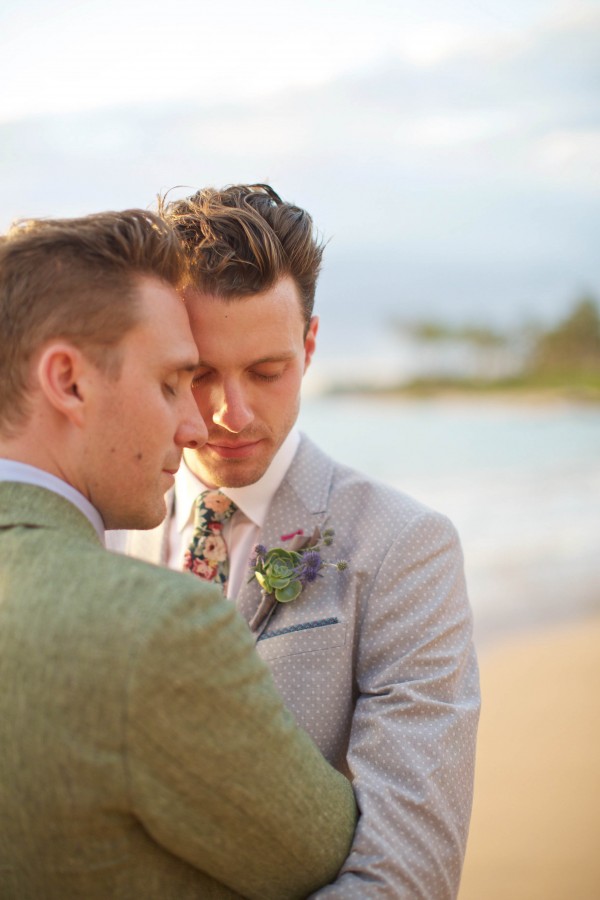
566	355
429	330
573	346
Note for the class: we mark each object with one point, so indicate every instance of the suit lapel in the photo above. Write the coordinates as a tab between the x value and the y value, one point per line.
301	501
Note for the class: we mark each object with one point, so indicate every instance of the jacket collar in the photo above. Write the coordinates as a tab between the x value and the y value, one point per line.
36	507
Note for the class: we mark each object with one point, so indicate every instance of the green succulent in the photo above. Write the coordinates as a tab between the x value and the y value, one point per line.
277	574
283	574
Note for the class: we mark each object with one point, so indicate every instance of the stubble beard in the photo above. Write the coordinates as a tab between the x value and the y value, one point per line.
138	519
229	473
153	516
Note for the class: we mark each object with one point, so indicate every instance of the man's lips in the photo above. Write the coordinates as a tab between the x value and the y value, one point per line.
239	450
171	472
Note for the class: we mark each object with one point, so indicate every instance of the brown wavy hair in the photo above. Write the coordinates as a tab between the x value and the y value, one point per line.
75	279
242	239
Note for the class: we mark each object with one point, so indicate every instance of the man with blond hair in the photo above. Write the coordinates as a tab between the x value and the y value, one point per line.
376	662
144	751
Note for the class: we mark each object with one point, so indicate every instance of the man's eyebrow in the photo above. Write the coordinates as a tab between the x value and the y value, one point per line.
180	365
279	357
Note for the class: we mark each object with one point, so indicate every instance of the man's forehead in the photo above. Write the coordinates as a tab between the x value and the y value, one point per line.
163	344
176	352
285	291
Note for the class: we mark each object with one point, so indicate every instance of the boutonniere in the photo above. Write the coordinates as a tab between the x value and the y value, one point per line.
283	572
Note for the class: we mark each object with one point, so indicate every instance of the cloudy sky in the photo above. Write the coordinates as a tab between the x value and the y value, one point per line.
448	149
65	55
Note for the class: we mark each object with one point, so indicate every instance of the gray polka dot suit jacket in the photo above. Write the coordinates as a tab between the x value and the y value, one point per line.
377	664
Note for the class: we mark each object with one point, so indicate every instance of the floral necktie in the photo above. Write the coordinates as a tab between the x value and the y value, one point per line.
206	556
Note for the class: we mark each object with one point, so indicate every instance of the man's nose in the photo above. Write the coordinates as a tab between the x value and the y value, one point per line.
232	410
192	431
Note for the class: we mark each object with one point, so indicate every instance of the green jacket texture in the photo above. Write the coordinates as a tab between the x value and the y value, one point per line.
144	751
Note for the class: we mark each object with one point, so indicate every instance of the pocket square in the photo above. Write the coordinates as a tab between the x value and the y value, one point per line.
303	626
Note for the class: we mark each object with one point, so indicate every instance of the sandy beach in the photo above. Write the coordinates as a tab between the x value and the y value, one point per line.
535	831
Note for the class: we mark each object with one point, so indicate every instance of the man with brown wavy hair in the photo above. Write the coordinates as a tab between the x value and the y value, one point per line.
144	751
243	240
376	662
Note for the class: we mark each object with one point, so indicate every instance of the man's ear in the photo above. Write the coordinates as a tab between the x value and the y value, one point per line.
310	341
61	372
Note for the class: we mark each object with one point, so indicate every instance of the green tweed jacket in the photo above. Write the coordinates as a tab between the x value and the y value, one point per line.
144	751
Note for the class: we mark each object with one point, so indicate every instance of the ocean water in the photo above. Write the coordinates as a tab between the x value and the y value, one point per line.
520	481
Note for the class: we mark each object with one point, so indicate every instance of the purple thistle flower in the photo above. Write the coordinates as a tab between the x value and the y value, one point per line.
308	568
309	575
312	560
260	551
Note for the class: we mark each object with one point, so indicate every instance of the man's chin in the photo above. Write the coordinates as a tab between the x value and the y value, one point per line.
139	519
230	473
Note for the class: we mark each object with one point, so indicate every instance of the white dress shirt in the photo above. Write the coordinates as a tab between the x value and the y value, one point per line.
241	531
11	470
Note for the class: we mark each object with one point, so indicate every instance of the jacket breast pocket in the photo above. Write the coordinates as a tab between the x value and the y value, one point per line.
305	637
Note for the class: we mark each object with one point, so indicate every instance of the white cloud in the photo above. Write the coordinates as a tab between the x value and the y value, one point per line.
571	156
474	173
107	52
453	129
433	42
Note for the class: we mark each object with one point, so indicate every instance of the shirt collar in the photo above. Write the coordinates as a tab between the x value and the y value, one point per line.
253	499
11	470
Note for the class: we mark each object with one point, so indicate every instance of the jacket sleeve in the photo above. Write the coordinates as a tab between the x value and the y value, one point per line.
412	741
219	774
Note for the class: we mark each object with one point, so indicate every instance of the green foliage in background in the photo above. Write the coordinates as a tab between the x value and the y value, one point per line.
573	347
564	359
439	331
